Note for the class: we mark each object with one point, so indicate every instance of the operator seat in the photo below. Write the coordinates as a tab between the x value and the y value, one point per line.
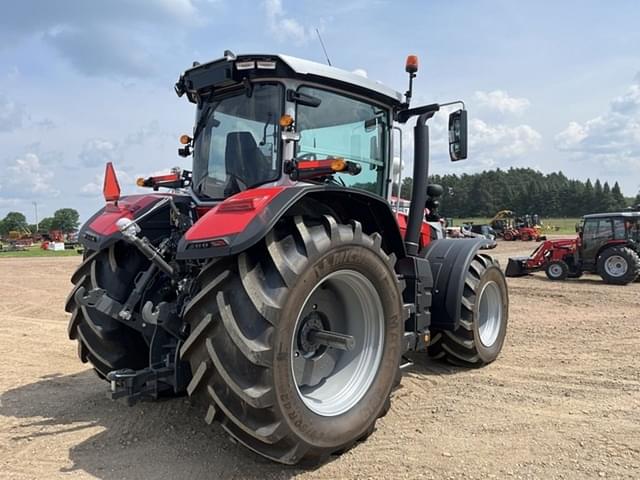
243	161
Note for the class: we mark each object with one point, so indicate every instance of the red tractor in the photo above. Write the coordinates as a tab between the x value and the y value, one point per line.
275	284
607	244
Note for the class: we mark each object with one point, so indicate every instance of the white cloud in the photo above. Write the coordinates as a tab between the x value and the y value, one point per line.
98	151
93	188
12	115
502	141
115	38
610	140
500	101
26	176
283	27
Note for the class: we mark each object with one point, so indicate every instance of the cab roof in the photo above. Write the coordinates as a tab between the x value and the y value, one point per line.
224	71
614	214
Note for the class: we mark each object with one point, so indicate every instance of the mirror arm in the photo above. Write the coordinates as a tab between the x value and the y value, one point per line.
404	115
455	102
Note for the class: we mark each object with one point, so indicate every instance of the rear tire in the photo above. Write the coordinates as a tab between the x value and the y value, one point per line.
557	270
247	317
102	341
484	312
618	265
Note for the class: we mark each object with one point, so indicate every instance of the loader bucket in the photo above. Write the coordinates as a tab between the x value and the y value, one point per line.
517	267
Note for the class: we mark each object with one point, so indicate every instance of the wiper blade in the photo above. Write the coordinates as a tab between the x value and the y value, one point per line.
202	121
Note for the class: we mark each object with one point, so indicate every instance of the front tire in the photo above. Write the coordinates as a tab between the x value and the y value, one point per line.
254	367
104	342
484	312
618	265
557	270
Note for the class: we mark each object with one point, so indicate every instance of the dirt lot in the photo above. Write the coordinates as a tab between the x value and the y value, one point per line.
563	400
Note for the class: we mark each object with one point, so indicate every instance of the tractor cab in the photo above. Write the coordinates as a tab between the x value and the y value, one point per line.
600	230
270	120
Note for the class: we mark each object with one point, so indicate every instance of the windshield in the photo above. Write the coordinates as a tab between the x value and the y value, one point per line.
347	128
237	144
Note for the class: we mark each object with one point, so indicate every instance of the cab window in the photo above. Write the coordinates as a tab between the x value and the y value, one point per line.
346	128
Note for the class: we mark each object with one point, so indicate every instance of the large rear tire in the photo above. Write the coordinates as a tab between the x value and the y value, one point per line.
255	366
484	313
102	341
618	265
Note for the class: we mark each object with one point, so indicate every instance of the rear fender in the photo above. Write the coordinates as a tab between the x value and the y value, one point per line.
450	260
244	219
101	231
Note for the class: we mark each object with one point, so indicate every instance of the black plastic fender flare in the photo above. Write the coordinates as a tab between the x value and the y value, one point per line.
449	260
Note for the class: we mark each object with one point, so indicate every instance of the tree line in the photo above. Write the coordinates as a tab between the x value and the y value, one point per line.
525	191
65	219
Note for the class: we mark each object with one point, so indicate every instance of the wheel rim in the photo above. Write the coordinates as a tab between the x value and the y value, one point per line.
555	270
331	381
489	313
616	266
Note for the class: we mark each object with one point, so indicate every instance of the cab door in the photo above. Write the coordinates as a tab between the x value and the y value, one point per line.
595	233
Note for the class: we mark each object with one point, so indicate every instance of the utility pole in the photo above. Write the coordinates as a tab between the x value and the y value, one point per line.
35	204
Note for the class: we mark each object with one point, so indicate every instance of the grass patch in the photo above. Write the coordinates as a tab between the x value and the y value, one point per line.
565	226
36	251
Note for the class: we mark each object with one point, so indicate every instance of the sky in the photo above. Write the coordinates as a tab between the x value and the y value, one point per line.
548	85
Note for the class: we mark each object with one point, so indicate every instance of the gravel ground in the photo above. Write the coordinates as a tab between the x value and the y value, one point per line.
562	401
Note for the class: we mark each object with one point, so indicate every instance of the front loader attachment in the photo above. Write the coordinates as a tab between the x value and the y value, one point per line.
517	267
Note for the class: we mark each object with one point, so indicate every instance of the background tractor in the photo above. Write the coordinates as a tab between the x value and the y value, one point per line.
608	244
275	284
509	226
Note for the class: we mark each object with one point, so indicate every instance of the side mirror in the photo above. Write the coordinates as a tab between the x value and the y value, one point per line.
578	228
458	135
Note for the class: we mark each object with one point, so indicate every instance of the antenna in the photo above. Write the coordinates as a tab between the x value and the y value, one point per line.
323	49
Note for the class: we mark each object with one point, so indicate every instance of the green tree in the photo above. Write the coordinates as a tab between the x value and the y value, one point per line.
617	197
607	198
66	219
13	221
46	224
406	188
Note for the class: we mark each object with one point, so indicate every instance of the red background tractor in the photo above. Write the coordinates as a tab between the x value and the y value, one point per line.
607	245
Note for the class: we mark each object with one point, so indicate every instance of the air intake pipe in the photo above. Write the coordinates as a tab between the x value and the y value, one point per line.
419	190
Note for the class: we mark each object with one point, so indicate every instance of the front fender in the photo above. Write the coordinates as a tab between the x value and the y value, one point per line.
244	219
100	230
449	260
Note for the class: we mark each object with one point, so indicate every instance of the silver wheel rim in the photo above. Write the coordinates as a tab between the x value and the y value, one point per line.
331	381
555	270
489	313
616	266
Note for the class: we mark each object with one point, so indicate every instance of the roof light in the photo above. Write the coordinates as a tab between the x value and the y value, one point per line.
185	139
286	121
411	65
268	64
245	65
111	187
